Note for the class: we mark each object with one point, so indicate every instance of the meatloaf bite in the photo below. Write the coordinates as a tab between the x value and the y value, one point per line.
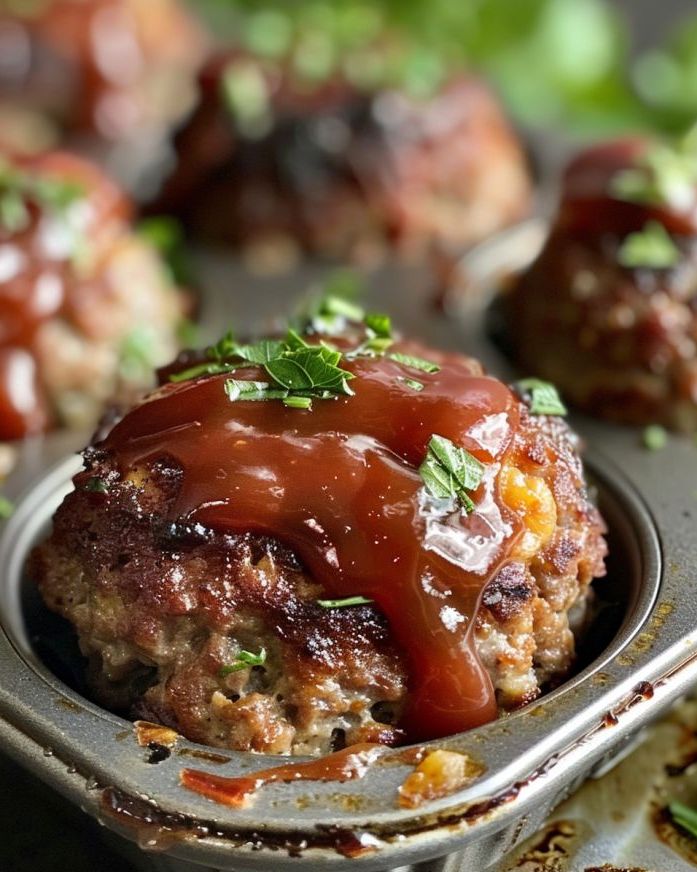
609	308
94	71
276	163
86	305
317	540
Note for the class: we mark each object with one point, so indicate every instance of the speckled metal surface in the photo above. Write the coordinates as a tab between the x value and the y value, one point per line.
533	760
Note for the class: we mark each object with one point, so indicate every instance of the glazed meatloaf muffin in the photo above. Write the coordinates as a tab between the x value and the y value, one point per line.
94	70
609	308
290	546
275	164
86	305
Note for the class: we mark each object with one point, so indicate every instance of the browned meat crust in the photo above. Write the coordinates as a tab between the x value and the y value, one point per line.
107	70
612	326
339	172
618	342
159	609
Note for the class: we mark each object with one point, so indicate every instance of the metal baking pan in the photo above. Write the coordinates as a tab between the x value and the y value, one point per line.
532	759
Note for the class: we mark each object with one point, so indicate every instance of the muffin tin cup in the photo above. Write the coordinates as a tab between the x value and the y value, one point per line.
532	759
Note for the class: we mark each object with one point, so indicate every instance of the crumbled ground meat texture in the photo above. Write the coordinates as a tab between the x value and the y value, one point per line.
160	608
342	173
620	343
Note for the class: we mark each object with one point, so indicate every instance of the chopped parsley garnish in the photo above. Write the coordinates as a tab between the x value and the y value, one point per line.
414	362
412	383
343	603
298	370
18	188
334	306
205	369
449	472
684	817
312	369
166	235
244	660
6	508
651	248
379	324
97	486
654	437
301	371
252	390
296	402
341	307
541	396
247	96
224	347
664	176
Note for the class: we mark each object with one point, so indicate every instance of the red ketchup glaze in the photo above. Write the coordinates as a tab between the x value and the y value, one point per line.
348	765
590	207
340	485
38	284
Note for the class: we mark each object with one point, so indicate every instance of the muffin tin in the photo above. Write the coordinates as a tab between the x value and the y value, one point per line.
641	653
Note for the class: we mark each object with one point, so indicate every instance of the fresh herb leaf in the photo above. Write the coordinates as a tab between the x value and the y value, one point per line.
651	248
18	188
450	472
294	341
654	437
343	603
412	383
298	402
414	362
244	660
247	98
381	325
684	816
310	369
260	352
665	175
6	508
97	486
223	348
541	396
328	311
166	235
341	307
205	369
252	390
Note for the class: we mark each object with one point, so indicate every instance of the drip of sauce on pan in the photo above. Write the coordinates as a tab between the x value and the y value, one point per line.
347	765
38	283
340	486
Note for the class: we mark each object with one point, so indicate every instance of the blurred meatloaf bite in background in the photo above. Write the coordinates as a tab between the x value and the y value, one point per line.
86	306
278	160
94	71
316	540
609	308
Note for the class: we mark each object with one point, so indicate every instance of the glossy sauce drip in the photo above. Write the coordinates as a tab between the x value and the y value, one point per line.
38	283
347	765
340	485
